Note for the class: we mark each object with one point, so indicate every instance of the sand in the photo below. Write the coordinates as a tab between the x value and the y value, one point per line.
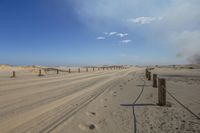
98	102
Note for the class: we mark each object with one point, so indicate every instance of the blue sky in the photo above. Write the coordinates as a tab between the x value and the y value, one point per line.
98	32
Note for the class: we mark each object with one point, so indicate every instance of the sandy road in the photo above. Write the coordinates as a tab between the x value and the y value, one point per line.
41	104
98	102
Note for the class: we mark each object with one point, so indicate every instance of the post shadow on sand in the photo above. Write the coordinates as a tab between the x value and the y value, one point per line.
133	105
133	108
144	104
143	85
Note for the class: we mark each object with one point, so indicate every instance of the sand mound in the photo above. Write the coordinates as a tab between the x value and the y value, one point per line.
5	67
33	69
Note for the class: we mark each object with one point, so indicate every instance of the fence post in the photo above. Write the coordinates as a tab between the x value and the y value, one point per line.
146	73
13	75
154	80
40	73
86	69
93	68
149	75
57	71
79	70
69	70
161	91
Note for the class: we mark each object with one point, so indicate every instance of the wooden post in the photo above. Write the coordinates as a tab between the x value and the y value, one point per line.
79	70
40	73
13	75
149	75
86	69
161	92
57	71
93	68
154	80
69	70
146	73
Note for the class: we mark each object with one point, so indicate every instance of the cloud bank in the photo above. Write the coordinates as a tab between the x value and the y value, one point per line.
175	22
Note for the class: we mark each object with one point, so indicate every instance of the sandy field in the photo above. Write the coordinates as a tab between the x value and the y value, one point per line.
104	101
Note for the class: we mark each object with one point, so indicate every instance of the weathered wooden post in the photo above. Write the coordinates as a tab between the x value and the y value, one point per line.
161	92
57	71
149	75
103	68
154	80
86	69
13	74
98	68
69	70
93	68
40	73
79	70
146	73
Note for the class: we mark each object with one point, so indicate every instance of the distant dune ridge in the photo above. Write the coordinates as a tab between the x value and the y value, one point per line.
19	68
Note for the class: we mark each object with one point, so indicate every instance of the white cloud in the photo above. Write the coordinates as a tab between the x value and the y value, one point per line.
100	38
110	33
144	20
122	35
125	41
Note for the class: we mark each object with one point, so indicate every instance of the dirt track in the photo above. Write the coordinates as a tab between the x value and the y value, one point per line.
47	101
110	101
